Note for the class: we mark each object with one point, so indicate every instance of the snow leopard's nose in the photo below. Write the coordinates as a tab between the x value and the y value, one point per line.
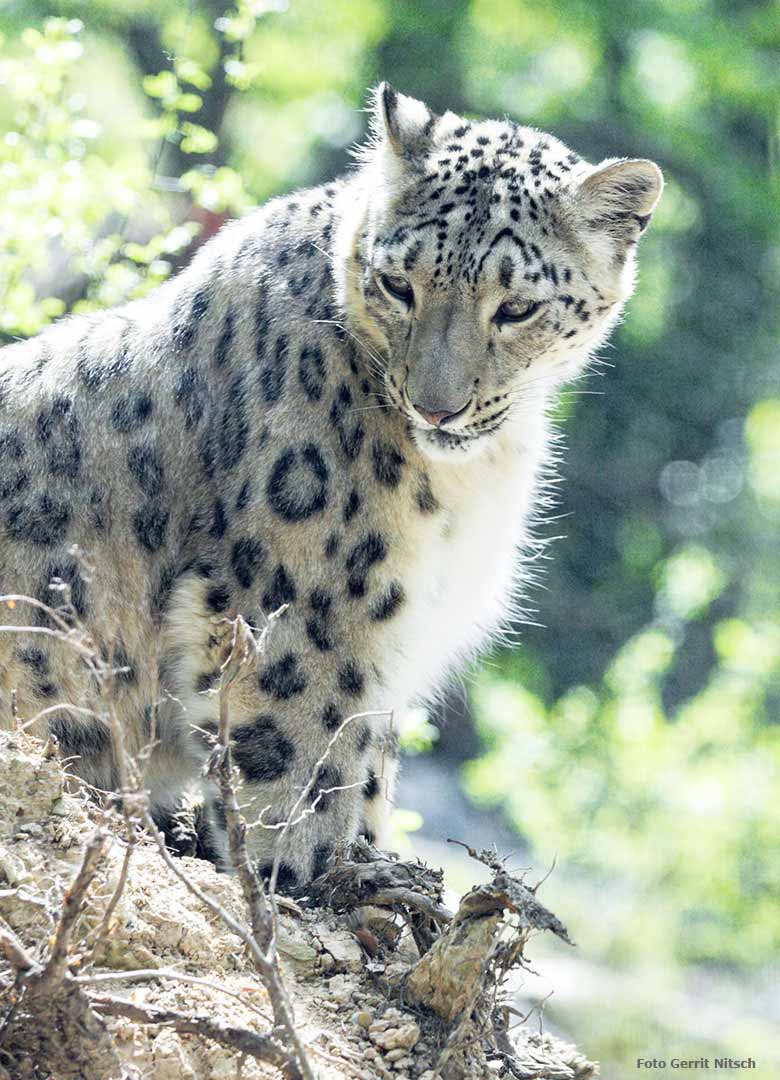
438	419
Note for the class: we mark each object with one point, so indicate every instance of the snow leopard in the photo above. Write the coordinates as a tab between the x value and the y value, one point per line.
333	422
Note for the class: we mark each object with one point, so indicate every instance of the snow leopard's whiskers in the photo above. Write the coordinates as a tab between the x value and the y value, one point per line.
378	371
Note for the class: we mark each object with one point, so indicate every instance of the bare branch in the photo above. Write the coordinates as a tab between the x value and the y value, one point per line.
13	950
58	708
260	1047
152	974
220	769
57	964
245	649
414	900
62	631
541	881
105	922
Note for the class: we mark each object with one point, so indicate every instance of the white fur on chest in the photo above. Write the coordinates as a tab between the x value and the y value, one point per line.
463	567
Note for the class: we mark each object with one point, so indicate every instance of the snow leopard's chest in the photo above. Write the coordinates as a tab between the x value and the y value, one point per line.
459	572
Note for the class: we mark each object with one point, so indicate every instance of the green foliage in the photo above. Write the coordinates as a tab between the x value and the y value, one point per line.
675	808
62	197
69	189
417	734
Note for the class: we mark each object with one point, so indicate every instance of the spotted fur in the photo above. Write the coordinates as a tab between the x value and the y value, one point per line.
339	409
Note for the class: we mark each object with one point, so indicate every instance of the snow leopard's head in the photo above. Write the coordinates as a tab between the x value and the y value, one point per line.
484	265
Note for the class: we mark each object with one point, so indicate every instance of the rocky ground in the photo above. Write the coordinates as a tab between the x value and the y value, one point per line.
366	1005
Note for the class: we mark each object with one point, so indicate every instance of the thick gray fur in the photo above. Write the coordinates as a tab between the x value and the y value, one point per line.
254	434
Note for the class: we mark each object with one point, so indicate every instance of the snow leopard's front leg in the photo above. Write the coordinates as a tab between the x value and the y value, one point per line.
299	712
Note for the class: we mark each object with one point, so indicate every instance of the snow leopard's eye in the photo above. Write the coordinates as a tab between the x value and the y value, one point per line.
398	287
514	311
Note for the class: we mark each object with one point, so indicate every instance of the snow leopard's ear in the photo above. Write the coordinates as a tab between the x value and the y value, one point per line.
619	197
403	122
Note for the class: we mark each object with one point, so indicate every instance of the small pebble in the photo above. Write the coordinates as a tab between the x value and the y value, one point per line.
363	1018
340	989
31	829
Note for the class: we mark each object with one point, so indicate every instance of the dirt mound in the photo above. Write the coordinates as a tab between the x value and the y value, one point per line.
162	953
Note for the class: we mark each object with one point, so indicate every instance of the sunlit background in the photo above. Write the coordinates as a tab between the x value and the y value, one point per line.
634	733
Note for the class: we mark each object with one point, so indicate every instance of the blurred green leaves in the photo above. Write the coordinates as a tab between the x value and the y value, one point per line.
69	186
763	439
165	87
50	175
677	809
690	581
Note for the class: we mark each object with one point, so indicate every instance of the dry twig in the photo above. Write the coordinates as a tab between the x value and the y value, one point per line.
261	1047
52	984
464	958
57	965
246	649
